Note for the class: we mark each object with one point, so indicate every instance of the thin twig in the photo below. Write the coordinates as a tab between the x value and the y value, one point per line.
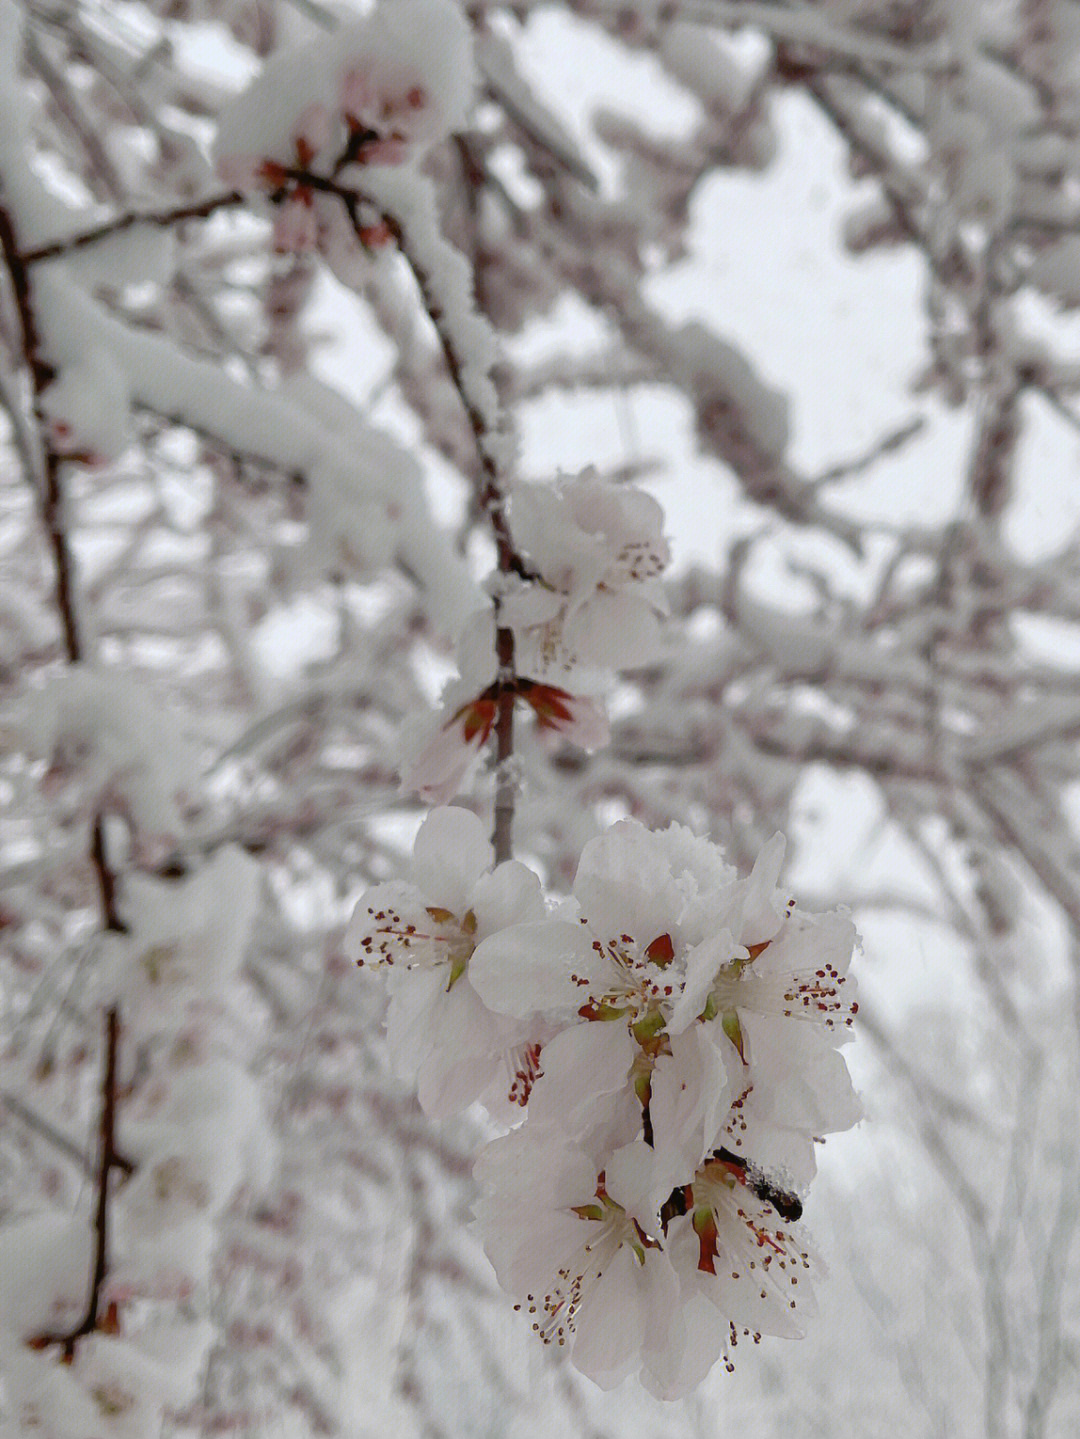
492	498
108	1160
160	219
51	500
50	495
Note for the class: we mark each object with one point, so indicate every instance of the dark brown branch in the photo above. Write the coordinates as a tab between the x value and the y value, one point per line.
51	496
108	1160
51	500
160	219
492	500
106	880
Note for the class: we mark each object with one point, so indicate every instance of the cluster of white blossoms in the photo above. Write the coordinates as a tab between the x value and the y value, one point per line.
672	1034
585	603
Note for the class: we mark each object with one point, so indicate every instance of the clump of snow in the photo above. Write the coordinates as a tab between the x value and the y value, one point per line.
447	283
107	733
45	1264
186	938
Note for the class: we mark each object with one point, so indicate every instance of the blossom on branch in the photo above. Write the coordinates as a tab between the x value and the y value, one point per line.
579	1250
440	753
594	552
426	933
580	720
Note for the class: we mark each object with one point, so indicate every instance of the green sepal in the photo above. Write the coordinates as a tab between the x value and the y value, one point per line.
648	1026
588	1211
733	1029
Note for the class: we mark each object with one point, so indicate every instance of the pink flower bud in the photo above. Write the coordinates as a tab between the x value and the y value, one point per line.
358	98
441	764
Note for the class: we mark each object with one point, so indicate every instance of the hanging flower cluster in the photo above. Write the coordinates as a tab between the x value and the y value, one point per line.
672	1032
587	601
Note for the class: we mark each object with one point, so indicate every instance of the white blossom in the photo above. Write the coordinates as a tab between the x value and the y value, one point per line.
578	1250
426	933
660	988
594	552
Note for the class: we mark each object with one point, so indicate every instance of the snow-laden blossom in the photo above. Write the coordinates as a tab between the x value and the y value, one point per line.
194	1135
45	1265
754	1260
114	1388
186	939
594	551
88	405
743	1272
426	933
579	1250
633	953
112	745
378	90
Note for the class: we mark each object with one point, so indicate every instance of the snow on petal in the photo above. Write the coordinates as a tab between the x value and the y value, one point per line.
385	85
625	886
593	551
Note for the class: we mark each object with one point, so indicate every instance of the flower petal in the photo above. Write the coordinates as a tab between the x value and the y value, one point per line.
528	969
614	630
581	1070
624	884
611	1322
636	1182
509	895
415	995
761	917
703	963
691	1092
451	852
